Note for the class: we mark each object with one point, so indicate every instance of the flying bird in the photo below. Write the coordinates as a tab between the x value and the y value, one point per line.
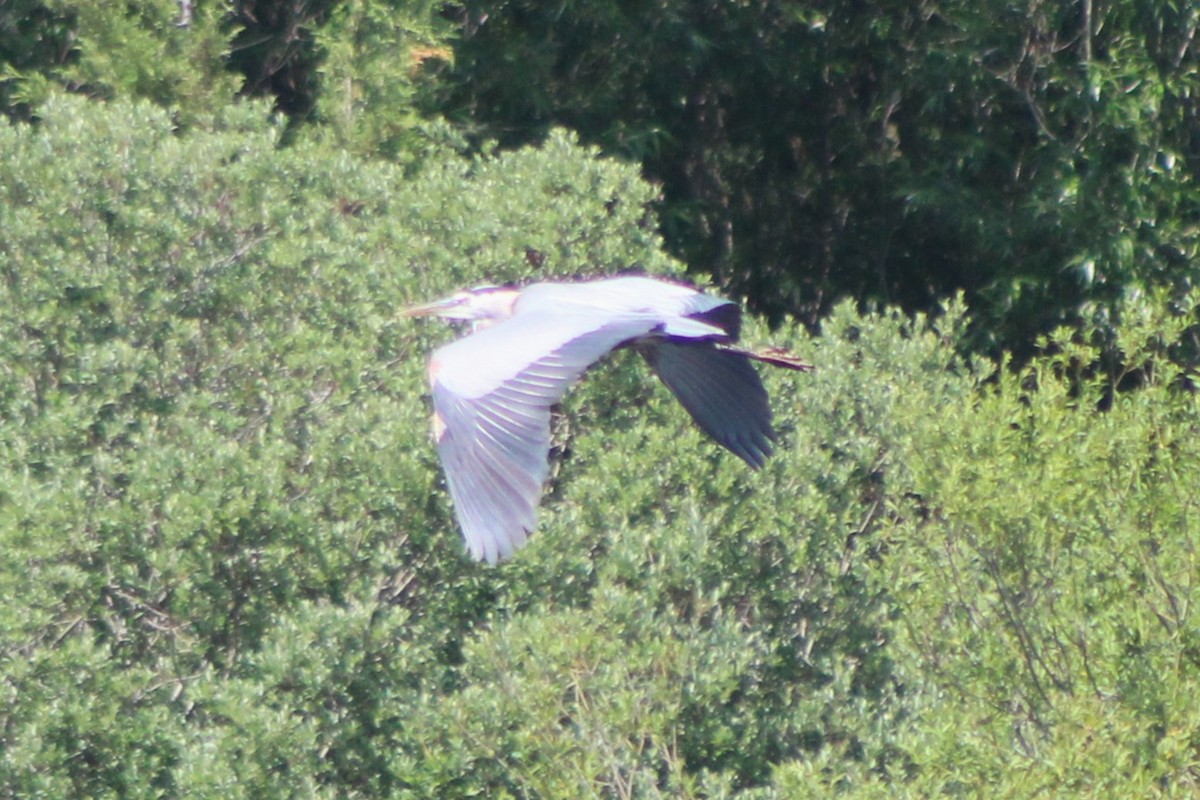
493	389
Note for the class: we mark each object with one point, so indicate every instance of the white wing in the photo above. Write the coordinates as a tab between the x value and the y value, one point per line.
681	310
492	393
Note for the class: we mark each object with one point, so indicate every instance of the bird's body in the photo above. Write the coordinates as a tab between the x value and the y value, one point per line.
493	390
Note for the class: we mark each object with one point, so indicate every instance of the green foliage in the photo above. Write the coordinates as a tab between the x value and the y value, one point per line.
359	68
1047	574
1038	156
379	61
33	41
213	443
228	569
147	50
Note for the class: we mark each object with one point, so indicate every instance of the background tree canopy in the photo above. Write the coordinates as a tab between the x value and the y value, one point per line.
229	568
1039	156
1042	156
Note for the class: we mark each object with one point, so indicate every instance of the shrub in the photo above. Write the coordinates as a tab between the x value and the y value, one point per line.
227	567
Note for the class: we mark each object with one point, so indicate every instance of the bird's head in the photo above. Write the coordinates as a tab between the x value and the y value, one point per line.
482	305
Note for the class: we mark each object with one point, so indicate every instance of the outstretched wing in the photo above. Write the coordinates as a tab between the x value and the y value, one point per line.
722	392
492	393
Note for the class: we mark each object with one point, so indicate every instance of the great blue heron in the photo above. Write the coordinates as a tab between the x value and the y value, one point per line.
493	389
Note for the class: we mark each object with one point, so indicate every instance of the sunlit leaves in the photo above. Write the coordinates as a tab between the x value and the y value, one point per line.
228	567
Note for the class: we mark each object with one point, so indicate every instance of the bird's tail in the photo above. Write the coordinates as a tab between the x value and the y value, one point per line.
775	356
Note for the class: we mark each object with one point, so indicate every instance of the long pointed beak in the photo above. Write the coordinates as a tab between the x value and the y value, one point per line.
433	309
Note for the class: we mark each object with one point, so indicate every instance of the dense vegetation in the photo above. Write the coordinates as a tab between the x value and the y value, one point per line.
230	570
1040	156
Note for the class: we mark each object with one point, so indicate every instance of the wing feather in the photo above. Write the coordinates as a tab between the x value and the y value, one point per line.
492	392
721	391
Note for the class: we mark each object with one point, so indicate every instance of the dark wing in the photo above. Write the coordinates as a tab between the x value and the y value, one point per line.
492	394
722	392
